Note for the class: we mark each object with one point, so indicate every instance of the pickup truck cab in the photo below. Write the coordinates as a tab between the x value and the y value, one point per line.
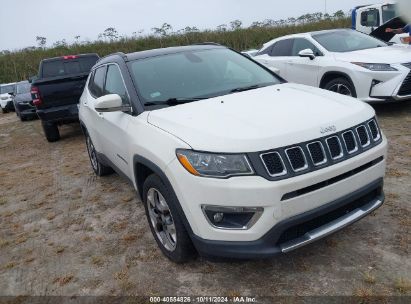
57	90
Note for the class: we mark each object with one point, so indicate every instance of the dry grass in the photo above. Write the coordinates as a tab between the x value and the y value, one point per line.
403	285
97	260
10	265
63	280
4	243
60	249
369	278
50	216
363	293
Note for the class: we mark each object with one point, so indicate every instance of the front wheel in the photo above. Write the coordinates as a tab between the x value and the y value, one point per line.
4	110
165	222
341	86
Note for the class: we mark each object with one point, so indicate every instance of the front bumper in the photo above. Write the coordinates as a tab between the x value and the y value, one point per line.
374	86
255	191
302	229
25	108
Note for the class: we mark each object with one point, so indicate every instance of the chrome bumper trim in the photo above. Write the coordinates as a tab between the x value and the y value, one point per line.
331	227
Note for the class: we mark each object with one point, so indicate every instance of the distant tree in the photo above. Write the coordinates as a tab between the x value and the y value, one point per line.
77	38
222	28
235	25
327	16
189	29
41	41
109	34
339	14
60	43
163	31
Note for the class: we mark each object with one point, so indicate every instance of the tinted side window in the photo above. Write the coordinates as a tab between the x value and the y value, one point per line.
302	44
97	82
115	84
282	48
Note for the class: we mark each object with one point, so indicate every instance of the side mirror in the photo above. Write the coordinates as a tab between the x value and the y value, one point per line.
307	53
109	103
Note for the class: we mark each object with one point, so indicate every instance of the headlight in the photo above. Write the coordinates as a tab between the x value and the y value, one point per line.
213	164
375	66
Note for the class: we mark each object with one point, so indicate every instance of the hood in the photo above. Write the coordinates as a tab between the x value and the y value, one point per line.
23	97
389	54
261	119
394	23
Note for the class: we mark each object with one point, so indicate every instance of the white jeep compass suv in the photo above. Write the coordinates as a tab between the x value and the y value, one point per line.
229	159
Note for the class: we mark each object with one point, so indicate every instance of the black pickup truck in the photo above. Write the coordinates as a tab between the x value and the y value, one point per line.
57	90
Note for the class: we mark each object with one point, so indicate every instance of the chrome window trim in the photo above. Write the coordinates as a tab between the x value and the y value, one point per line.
345	143
324	161
368	136
305	159
282	162
341	155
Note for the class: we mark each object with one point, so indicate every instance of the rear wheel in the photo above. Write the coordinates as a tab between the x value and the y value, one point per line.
98	168
165	222
4	110
51	131
341	86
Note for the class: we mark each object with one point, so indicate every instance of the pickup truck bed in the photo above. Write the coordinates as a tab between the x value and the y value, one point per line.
57	90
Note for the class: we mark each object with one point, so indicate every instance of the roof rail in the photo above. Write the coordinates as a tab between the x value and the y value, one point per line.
121	54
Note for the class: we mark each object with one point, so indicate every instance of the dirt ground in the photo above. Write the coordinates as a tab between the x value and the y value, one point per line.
64	231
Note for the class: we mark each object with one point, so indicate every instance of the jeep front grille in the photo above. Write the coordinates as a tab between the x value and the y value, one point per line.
297	159
306	157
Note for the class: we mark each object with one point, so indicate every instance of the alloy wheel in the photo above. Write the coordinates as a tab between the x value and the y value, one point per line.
341	89
161	219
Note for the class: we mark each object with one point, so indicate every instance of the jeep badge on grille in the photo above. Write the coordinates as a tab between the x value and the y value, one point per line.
328	129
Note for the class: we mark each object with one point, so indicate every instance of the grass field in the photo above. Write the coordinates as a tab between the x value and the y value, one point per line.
20	65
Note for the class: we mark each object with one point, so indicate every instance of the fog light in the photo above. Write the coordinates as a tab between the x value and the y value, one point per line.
235	218
218	217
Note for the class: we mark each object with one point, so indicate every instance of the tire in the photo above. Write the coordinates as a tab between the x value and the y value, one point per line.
342	86
98	168
22	117
160	205
51	131
4	110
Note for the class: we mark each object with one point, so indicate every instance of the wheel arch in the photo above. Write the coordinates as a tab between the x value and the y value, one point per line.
330	75
143	168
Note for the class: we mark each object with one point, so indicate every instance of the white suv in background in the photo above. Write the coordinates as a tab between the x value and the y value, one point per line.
343	61
7	92
230	160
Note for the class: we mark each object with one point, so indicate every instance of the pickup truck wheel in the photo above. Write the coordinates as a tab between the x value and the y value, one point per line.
341	86
51	131
165	222
98	168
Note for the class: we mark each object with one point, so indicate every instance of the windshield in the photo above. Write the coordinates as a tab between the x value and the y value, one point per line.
196	74
23	88
347	41
7	89
388	12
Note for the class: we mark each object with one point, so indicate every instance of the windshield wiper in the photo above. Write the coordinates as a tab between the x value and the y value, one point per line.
242	89
172	101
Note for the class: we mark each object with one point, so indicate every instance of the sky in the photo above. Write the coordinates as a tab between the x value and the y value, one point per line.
21	21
